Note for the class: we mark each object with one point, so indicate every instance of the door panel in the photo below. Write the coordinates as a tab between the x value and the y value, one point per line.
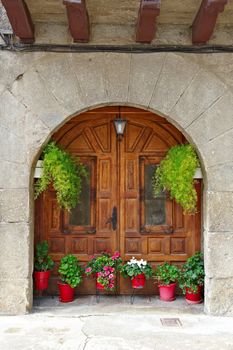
120	177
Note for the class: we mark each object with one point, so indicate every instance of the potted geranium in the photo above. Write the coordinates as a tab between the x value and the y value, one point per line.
138	271
192	278
167	276
104	268
71	273
43	264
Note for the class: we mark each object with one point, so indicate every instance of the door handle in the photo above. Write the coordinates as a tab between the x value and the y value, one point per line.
113	219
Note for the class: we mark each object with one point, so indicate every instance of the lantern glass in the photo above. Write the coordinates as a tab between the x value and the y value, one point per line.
120	126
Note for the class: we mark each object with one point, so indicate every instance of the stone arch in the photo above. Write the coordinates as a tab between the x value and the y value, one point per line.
53	88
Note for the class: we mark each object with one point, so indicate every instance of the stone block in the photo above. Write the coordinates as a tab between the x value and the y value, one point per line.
219	254
218	151
214	122
219	211
202	92
89	70
221	65
32	91
12	114
14	175
220	177
144	73
60	80
15	296
174	79
116	75
15	251
219	296
13	65
2	88
14	205
13	148
37	133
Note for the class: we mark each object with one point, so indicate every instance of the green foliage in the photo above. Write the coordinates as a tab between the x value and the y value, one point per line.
167	274
42	261
135	267
70	270
175	174
193	273
66	174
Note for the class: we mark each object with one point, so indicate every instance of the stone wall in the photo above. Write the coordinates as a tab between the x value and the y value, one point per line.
39	92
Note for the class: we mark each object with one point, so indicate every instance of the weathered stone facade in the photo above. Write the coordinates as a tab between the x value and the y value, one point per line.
39	92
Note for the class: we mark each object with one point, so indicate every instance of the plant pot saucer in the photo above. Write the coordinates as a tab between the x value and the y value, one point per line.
168	300
190	302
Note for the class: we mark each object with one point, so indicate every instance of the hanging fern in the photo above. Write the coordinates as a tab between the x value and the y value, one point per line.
65	173
175	174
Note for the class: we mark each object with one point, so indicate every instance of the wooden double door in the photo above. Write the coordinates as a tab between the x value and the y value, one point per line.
117	209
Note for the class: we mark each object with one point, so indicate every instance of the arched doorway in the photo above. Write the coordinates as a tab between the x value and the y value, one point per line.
119	183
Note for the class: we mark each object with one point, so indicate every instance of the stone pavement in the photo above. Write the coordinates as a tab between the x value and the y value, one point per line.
115	324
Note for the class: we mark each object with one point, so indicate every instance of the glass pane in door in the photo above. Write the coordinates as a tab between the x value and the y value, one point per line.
81	214
155	208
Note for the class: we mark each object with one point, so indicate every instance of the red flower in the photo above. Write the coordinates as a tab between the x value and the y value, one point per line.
115	256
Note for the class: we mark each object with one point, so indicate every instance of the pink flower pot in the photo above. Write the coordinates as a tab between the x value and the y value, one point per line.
167	293
193	298
138	281
66	293
41	279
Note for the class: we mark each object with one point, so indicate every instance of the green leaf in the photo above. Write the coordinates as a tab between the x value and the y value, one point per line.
65	172
175	174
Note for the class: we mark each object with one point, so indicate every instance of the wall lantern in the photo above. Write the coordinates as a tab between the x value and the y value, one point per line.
120	126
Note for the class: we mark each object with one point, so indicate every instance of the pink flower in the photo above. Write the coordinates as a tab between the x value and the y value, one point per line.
115	256
111	276
88	269
106	268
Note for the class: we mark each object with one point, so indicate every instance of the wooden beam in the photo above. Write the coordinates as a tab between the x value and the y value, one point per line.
20	20
147	15
205	20
78	20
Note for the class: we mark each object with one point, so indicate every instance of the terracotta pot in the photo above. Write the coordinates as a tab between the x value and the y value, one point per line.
41	279
66	293
99	286
167	293
138	281
192	297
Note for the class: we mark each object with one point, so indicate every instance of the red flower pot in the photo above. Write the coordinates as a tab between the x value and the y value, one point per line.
138	281
99	286
192	297
167	293
41	279
66	293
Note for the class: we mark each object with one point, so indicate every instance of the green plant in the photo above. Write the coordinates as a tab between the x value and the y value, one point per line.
70	270
42	261
167	274
135	267
106	267
192	274
175	174
65	172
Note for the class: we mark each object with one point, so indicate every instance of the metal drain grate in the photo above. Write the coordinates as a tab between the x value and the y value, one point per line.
171	322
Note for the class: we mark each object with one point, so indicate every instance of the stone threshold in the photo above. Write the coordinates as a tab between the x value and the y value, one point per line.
89	305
